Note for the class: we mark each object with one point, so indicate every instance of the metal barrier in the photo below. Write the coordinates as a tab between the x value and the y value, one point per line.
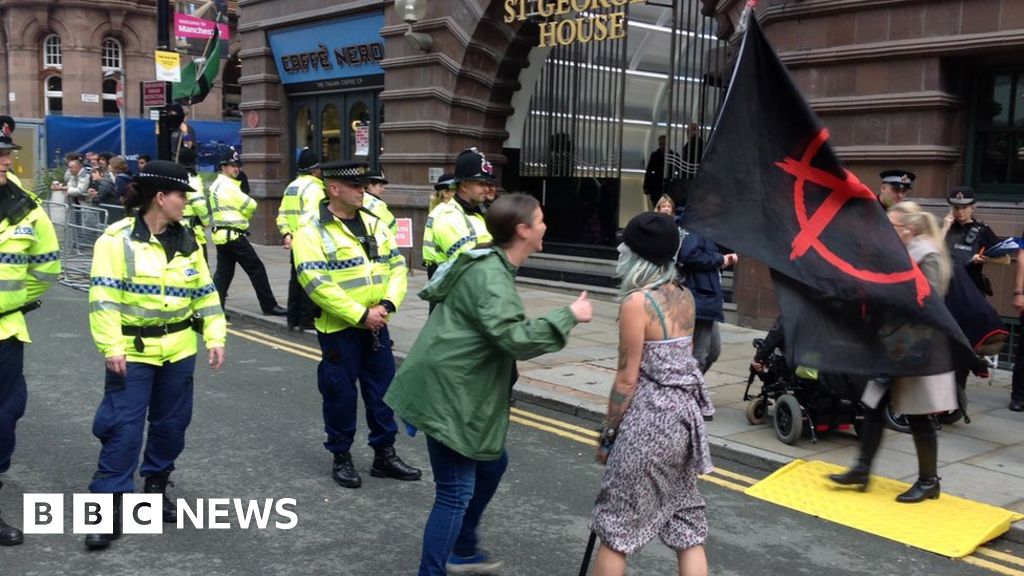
78	227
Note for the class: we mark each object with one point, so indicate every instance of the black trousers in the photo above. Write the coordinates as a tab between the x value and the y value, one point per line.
1017	393
300	307
240	251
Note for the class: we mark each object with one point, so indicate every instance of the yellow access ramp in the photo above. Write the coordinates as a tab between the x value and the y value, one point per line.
949	526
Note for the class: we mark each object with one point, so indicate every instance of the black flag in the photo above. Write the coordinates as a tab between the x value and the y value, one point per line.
769	186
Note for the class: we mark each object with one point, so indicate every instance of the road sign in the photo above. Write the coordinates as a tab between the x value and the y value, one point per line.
168	65
155	94
404	234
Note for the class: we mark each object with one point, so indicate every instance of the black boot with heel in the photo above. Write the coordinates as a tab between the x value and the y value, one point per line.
927	485
870	439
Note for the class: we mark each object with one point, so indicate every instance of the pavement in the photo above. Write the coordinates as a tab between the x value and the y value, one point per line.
981	461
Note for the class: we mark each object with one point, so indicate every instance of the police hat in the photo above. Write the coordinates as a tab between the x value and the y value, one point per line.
348	170
472	165
445	181
164	175
901	178
961	196
5	119
307	161
7	144
230	157
376	177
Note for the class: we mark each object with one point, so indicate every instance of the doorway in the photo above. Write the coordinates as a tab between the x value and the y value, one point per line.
338	126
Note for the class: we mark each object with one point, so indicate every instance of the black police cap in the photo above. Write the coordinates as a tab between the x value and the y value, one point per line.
164	175
230	157
376	177
307	160
445	181
473	165
902	178
348	170
7	144
961	196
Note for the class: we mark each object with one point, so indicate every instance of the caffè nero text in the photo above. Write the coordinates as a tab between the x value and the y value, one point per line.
572	20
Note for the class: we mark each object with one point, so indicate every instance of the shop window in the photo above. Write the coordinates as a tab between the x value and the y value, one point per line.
303	130
998	144
110	107
111	59
53	95
52	55
330	134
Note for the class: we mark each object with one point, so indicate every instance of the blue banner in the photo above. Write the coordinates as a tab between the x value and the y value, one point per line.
339	54
74	134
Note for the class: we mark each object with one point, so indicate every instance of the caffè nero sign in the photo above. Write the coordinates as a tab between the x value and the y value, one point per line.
568	21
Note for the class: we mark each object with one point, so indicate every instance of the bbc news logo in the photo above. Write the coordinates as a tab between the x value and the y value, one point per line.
143	514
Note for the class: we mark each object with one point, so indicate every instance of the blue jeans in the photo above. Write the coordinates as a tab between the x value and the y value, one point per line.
463	488
13	395
165	393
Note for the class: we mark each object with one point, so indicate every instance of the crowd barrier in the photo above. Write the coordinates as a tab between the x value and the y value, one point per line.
78	227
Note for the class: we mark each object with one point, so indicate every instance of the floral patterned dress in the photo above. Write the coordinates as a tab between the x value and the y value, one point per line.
650	483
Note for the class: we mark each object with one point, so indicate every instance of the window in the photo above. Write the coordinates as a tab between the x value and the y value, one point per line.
111	54
52	56
53	95
110	107
998	148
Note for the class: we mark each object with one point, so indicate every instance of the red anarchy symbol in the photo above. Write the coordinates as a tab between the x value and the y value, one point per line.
811	226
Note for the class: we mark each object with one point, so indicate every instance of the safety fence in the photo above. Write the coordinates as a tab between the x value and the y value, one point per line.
78	227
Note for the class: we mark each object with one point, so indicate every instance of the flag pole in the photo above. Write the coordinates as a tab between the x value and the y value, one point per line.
199	73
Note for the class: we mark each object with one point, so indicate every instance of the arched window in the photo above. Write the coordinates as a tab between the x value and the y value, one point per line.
110	107
52	56
53	95
111	54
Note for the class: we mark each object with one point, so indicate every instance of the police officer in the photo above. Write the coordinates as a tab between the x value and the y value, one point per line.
230	210
7	126
29	263
197	210
301	198
348	262
443	193
894	187
374	200
967	238
458	226
150	290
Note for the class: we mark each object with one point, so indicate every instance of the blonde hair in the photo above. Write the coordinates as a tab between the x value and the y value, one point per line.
439	197
636	273
665	198
926	225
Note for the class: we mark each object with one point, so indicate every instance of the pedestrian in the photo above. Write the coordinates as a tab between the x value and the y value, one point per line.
665	205
101	188
459	226
700	265
348	262
916	397
894	187
30	263
230	211
654	175
374	201
456	383
1017	392
150	290
142	160
300	200
654	443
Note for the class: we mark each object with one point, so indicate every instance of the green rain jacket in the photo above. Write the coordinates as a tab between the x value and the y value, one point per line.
456	383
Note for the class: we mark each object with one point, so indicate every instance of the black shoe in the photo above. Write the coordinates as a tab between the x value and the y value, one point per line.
387	464
158	485
9	535
276	311
923	488
1016	406
858	476
101	541
345	473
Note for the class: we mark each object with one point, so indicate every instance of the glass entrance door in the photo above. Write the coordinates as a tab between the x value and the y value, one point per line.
342	126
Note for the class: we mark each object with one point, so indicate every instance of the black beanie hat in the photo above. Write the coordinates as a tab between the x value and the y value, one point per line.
652	236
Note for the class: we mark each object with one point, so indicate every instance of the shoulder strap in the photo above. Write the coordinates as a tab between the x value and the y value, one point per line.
657	310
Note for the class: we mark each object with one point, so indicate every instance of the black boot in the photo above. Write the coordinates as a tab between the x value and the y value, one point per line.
345	473
387	464
927	485
101	541
9	535
870	439
158	485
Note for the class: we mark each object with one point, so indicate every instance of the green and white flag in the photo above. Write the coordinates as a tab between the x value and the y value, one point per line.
197	78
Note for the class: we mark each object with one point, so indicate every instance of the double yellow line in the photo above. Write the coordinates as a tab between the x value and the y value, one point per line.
996	561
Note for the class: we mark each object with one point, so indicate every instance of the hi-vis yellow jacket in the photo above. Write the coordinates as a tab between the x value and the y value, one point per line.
197	211
449	231
301	198
338	274
379	208
133	284
29	263
230	209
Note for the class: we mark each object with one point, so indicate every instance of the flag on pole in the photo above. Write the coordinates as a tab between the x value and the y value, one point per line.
198	77
770	187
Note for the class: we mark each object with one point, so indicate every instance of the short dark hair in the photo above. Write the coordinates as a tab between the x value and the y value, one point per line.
106	156
507	212
145	157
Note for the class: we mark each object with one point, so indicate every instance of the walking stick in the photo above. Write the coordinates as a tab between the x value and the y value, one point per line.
588	553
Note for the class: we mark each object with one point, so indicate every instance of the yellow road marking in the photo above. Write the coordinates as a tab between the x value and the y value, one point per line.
723	483
282	342
553	430
554	422
1008	558
297	352
735	476
992	566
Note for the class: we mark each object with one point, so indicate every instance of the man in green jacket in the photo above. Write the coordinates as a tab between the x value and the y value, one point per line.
456	383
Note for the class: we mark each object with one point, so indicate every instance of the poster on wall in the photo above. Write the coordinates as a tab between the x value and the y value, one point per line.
362	139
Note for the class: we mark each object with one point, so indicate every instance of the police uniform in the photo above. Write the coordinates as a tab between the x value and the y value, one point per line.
444	184
376	205
230	211
964	241
347	267
29	263
902	180
149	294
300	201
457	226
197	210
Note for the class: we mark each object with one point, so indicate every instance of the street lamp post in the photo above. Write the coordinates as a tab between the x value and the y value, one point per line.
122	83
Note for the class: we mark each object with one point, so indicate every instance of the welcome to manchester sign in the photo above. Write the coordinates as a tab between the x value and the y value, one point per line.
568	21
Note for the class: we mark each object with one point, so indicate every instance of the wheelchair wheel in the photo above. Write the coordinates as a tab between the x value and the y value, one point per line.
954	416
757	411
789	419
895	420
